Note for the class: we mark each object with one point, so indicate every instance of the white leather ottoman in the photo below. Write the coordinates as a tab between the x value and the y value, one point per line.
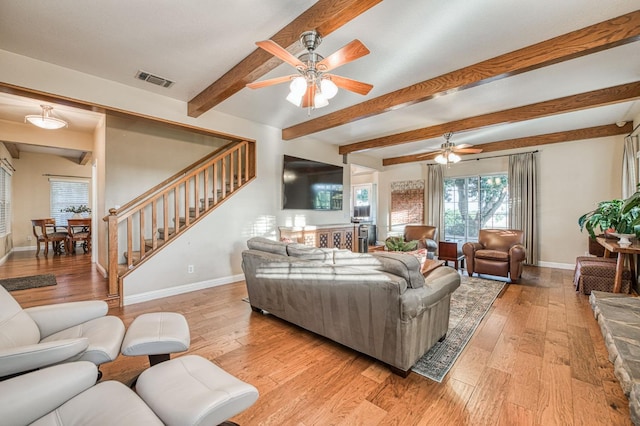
192	390
157	335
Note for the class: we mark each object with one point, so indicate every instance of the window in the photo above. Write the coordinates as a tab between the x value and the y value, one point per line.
67	193
474	203
5	202
362	198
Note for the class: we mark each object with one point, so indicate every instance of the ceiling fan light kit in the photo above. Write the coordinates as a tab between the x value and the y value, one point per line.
448	151
312	87
45	120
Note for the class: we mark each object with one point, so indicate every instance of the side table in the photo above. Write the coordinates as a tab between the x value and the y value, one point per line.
448	251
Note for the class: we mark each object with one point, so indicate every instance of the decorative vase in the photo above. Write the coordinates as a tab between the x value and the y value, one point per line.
624	239
77	216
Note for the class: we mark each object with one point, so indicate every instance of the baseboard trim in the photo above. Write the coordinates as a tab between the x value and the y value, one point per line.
557	265
101	270
27	248
174	291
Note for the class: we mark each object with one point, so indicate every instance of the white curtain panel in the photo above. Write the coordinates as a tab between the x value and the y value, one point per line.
630	166
523	200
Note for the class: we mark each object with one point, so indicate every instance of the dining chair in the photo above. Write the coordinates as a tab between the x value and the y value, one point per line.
79	230
45	231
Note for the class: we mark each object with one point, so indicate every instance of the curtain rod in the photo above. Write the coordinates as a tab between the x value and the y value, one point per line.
498	156
65	176
633	131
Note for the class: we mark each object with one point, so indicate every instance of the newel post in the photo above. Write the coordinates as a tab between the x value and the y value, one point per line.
112	251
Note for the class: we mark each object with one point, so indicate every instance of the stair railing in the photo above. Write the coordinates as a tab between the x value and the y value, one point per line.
141	227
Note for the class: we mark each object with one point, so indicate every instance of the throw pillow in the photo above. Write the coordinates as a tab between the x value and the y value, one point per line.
429	265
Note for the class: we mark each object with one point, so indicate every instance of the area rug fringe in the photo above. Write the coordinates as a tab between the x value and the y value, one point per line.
469	304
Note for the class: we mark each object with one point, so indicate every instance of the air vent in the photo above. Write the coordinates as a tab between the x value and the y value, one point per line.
153	79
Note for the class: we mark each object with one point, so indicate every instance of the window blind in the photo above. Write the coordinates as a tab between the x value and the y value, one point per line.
67	193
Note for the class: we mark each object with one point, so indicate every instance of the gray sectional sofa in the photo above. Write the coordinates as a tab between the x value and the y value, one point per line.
378	304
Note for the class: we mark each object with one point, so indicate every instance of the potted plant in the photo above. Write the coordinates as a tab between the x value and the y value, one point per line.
622	216
399	244
77	210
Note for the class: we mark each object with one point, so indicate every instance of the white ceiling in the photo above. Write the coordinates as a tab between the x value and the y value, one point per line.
195	42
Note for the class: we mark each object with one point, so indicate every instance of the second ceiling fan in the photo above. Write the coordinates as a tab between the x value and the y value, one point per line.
449	151
312	87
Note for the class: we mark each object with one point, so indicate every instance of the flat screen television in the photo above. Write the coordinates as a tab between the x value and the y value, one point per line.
311	185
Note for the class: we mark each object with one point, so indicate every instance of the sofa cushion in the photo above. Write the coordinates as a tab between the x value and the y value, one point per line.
492	255
265	244
402	265
301	251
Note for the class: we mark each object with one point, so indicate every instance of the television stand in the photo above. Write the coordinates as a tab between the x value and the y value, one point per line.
342	236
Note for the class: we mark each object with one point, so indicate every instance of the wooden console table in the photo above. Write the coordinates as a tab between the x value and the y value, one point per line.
343	236
624	254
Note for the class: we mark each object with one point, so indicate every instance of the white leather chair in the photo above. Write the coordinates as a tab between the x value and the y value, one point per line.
37	337
188	390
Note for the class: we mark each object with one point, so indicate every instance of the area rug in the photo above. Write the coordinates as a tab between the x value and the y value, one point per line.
469	304
32	281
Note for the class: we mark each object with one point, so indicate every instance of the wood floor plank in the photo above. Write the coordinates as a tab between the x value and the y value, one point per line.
486	401
513	414
524	385
538	357
589	404
584	365
555	400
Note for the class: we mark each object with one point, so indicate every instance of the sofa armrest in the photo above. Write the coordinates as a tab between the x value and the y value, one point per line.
60	316
28	397
29	357
517	253
440	283
430	245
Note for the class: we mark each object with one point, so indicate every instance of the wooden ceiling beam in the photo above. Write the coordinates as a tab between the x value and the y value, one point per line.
325	16
526	142
13	149
604	35
595	98
85	158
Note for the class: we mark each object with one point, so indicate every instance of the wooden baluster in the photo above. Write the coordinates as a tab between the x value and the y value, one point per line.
143	244
129	241
206	189
154	224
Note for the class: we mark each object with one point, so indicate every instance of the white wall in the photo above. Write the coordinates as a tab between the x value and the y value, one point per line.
572	178
213	247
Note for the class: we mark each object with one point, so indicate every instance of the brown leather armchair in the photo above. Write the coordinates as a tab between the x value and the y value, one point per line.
425	235
497	252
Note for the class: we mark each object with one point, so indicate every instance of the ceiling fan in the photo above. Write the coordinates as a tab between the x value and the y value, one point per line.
312	87
449	151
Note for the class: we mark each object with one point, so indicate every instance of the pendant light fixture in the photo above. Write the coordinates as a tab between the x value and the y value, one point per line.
45	120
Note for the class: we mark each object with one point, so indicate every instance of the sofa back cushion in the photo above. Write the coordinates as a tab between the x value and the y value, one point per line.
403	265
265	244
301	251
499	239
349	258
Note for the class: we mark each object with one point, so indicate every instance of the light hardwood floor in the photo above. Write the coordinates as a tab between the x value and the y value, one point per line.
538	358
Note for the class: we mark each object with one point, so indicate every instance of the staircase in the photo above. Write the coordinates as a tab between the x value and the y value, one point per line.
150	222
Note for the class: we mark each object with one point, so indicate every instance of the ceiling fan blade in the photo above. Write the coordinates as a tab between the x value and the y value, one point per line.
468	150
276	50
270	82
351	85
307	99
346	54
426	154
464	145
